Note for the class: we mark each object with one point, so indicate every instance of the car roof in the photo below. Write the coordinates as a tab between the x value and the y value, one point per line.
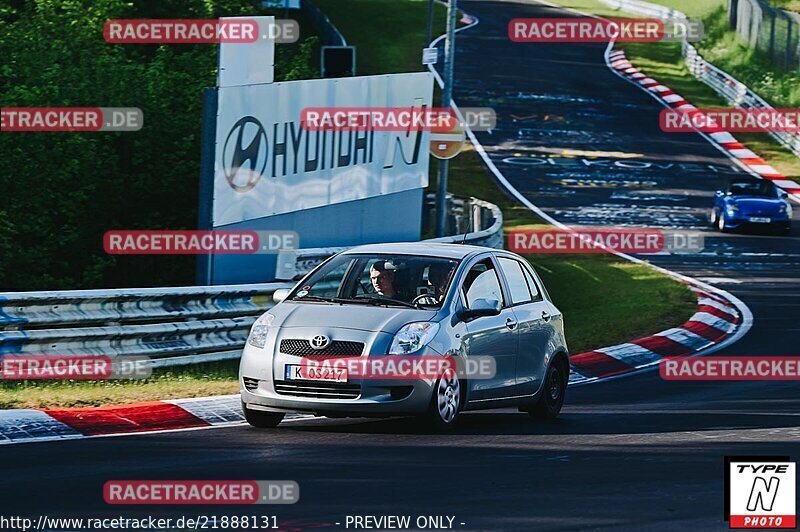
431	249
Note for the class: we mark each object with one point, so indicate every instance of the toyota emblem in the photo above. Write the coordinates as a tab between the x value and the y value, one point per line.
320	341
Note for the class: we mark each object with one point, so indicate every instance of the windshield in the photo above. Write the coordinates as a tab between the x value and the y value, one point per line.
380	279
752	188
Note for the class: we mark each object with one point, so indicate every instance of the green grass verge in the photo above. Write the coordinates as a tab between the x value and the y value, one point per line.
217	378
605	300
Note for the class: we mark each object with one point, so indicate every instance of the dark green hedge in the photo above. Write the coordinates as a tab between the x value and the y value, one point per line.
59	192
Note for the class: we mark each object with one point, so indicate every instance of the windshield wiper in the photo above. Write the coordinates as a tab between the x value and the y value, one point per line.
339	300
372	300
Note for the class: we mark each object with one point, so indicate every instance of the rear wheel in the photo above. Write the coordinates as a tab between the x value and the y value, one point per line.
552	398
262	420
446	402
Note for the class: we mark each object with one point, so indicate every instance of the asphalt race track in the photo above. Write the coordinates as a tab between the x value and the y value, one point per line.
632	453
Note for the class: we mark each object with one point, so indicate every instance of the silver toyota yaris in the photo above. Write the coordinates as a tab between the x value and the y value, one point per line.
408	300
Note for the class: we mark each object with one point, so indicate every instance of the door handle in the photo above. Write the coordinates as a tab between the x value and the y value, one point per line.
511	323
545	315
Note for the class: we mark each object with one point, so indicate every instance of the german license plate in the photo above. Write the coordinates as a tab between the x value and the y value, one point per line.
296	372
758	220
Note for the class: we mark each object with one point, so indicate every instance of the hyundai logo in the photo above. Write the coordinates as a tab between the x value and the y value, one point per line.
320	341
244	157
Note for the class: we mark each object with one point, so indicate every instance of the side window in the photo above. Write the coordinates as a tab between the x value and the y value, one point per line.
532	285
482	283
517	284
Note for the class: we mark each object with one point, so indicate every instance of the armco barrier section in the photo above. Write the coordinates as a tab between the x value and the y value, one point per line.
173	326
735	92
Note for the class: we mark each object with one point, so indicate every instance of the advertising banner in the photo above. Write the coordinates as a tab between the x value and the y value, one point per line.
267	163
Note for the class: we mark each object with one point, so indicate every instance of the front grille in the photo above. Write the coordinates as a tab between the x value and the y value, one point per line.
320	390
337	348
250	383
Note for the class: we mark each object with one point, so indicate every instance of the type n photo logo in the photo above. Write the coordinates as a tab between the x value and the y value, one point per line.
761	492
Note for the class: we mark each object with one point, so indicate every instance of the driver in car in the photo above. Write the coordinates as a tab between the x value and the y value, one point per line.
382	278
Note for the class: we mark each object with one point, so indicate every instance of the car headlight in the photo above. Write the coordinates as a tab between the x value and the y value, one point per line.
259	330
786	209
412	337
732	209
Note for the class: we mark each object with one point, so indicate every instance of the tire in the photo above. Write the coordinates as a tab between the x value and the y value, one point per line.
721	224
262	420
555	388
447	401
713	218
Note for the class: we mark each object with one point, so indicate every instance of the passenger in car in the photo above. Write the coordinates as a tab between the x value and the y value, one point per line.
438	277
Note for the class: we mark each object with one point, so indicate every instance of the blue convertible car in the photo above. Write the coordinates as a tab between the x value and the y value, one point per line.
751	202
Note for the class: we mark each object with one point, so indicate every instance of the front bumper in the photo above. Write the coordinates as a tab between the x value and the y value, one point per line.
745	223
263	385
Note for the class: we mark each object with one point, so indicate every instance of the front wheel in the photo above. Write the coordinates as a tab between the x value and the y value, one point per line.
552	399
262	420
446	402
713	218
721	225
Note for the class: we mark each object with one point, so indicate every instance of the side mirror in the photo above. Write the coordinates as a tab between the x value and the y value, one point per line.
783	194
719	193
280	294
481	307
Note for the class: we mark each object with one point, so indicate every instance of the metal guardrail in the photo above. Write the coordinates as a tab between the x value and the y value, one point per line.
735	92
172	326
178	325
